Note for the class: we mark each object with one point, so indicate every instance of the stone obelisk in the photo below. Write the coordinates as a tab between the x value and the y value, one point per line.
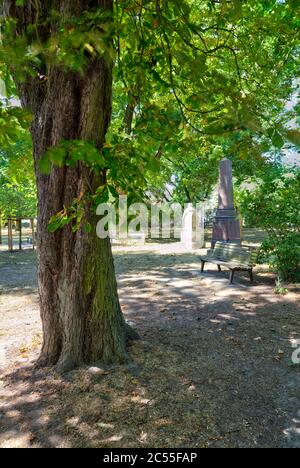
226	227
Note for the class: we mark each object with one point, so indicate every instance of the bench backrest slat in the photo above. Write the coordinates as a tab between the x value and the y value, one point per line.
235	253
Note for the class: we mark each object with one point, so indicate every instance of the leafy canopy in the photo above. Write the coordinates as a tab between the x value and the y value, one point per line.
189	76
194	76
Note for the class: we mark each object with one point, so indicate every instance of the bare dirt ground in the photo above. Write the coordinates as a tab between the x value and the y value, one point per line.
212	368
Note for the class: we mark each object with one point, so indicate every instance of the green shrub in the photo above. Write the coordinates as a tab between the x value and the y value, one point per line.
273	203
284	255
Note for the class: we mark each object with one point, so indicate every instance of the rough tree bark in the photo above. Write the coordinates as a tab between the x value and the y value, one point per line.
80	310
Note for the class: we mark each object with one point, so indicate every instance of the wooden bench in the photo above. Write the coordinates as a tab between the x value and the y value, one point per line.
232	256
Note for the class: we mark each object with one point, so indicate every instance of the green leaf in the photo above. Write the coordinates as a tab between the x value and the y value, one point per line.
57	155
93	156
58	221
277	140
113	191
153	164
87	228
45	165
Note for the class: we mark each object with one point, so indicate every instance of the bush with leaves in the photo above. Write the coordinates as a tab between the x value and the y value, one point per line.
284	255
273	204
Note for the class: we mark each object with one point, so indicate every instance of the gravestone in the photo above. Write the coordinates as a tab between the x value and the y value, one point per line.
192	233
226	227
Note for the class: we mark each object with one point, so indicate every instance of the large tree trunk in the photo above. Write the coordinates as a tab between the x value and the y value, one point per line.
80	310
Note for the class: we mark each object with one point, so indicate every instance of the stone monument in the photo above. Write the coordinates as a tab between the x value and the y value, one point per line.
192	233
226	227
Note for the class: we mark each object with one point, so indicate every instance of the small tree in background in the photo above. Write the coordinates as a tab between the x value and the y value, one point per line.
17	181
273	204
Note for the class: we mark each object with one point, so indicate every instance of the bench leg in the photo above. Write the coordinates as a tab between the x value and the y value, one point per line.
251	276
219	268
202	266
231	276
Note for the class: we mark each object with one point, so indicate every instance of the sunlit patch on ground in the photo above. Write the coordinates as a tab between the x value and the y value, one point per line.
212	368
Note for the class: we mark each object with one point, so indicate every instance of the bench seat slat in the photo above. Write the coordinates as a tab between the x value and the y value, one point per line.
231	265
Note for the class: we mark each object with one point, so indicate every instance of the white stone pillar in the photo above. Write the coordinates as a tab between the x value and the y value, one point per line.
192	233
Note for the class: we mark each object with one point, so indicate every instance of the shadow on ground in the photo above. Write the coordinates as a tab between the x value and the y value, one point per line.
212	368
